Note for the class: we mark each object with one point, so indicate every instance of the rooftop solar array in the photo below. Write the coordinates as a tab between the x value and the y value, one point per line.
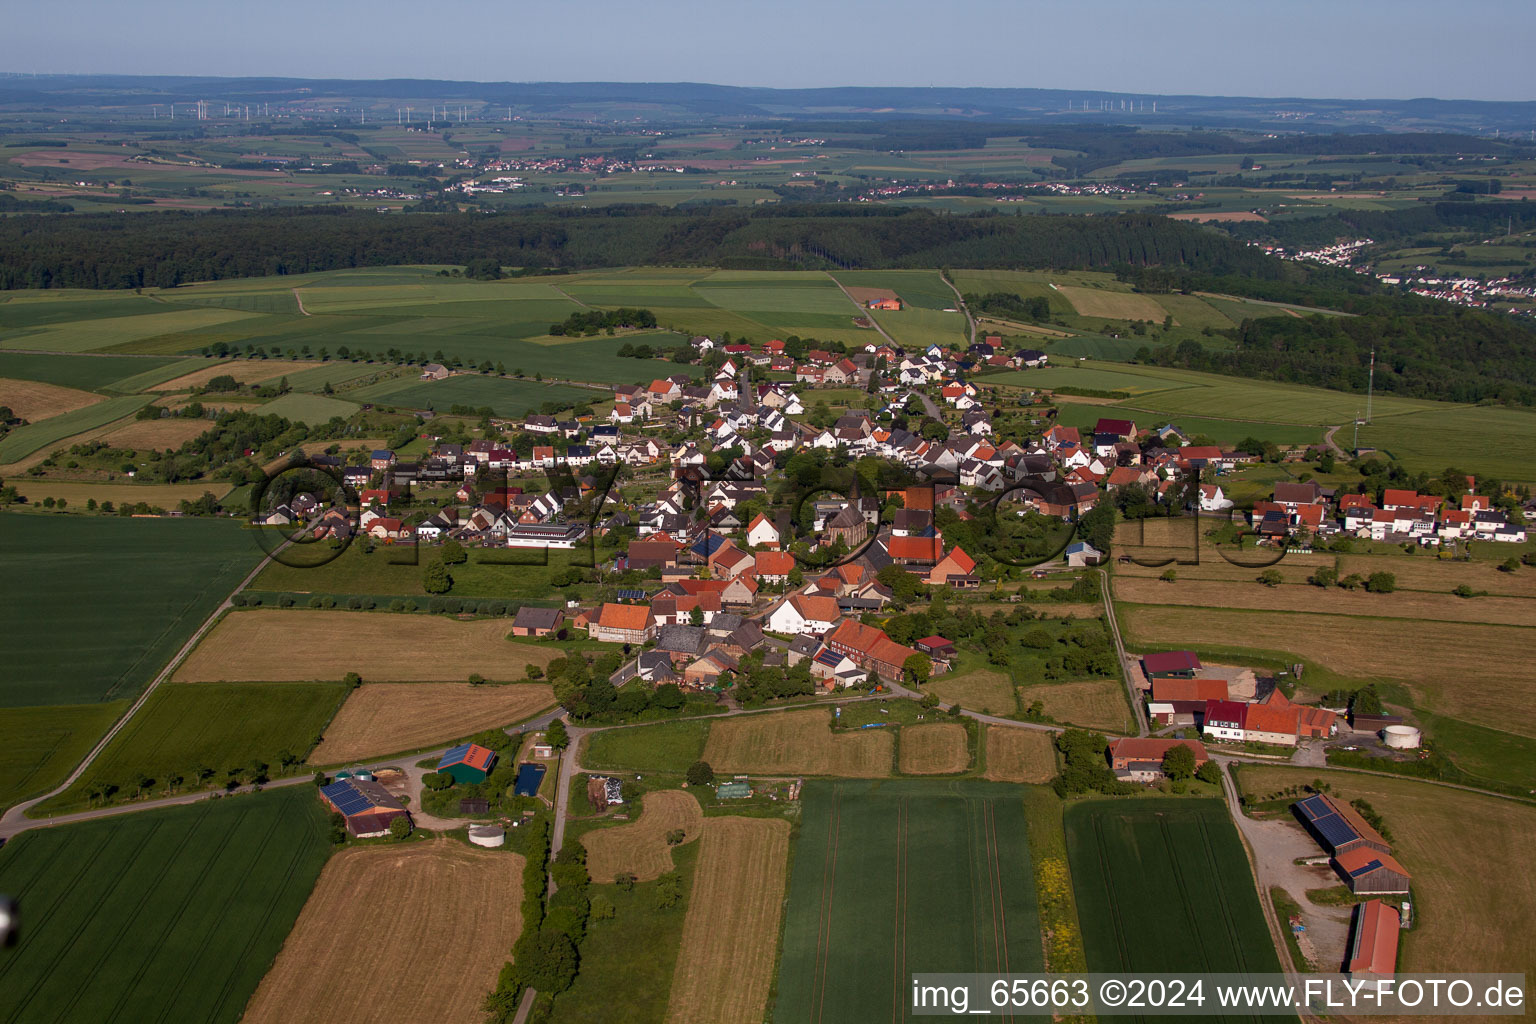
346	798
454	755
1332	826
1366	868
631	595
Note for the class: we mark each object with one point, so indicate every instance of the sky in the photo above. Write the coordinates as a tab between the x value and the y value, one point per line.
1351	49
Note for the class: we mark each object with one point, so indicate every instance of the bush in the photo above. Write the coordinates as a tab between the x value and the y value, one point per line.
397	605
327	602
400	827
314	602
238	600
285	601
453	606
1381	583
355	603
437	780
700	773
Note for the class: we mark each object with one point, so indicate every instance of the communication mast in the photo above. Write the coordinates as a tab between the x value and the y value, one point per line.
1370	386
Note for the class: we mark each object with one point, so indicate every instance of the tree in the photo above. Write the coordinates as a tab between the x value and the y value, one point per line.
669	891
1366	701
556	735
435	580
1169	576
700	773
1209	772
929	700
1179	762
547	962
353	680
1381	583
676	836
454	553
696	616
917	668
1324	576
400	827
1509	565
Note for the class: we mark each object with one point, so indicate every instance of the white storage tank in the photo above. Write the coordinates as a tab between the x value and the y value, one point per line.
1401	737
487	835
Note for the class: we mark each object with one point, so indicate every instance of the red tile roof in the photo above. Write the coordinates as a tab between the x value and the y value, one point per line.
1373	950
1189	689
624	616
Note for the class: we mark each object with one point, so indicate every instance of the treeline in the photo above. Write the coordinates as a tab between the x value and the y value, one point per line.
594	320
114	250
1453	355
1393	225
1010	306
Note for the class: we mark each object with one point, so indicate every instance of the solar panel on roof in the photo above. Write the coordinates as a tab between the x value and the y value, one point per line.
454	755
1336	831
1315	807
346	798
631	595
1368	866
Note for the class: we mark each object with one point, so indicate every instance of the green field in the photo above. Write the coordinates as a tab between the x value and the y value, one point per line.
1164	885
219	726
504	396
39	746
169	915
890	879
95	606
310	409
88	372
665	746
1227	432
23	441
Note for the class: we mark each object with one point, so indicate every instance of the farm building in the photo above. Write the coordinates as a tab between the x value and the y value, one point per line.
733	790
1338	827
1082	553
1373	946
1370	871
1170	665
367	806
1140	759
936	647
468	762
536	621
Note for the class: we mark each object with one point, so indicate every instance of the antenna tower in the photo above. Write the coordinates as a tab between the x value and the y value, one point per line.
1370	386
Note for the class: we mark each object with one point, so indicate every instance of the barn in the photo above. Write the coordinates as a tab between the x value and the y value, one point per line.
1368	871
1373	946
1170	665
367	806
468	762
1338	827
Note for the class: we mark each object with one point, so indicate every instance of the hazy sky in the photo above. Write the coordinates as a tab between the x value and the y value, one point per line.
1311	48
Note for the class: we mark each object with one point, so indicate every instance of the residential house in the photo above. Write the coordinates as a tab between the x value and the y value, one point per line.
532	621
623	624
804	613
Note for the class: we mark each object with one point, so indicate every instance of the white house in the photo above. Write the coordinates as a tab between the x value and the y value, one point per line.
804	613
761	532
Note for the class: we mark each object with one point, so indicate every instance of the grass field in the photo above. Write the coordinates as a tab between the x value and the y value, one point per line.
451	914
85	372
798	743
399	571
1174	869
173	913
890	879
937	748
731	932
310	409
1019	755
1113	305
1430	658
384	718
40	746
976	690
294	645
506	397
222	727
1091	703
33	400
95	606
640	847
23	441
665	746
1463	923
245	371
79	492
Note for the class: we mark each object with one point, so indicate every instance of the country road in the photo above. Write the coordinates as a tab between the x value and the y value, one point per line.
864	312
1128	662
960	302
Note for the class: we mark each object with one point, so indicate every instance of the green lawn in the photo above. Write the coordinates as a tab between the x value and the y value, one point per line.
219	726
23	441
40	746
95	606
88	372
1228	432
170	915
506	397
895	878
1173	869
310	409
663	747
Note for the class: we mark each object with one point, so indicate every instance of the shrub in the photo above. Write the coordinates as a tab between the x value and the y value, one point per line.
285	601
327	601
355	603
315	602
437	780
397	605
453	606
238	600
1381	583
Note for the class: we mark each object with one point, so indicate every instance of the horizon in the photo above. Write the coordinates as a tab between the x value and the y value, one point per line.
1370	49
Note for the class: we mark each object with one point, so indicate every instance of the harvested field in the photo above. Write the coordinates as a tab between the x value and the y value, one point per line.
293	645
78	492
798	743
172	432
33	400
1234	216
1112	305
939	748
383	718
246	371
1509	611
1093	703
1464	923
725	967
976	690
1430	657
1019	755
450	916
640	847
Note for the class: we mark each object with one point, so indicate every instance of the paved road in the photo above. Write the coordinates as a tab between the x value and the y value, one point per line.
1331	443
960	301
